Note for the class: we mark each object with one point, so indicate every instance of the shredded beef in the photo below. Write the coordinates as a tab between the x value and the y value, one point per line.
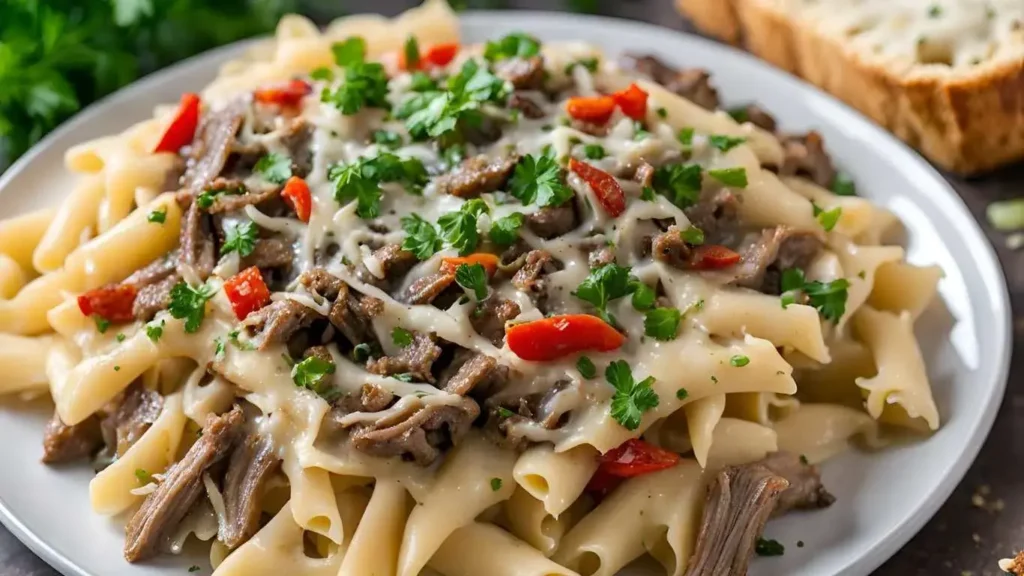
323	283
213	144
297	137
476	176
552	221
417	433
805	488
234	195
425	289
758	117
490	317
394	263
277	322
670	248
474	371
269	253
371	398
154	283
739	502
528	278
526	105
251	464
351	313
416	359
806	156
523	73
693	84
766	254
714	210
198	244
150	529
136	412
63	443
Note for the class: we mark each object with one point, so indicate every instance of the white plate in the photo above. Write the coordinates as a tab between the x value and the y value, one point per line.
883	499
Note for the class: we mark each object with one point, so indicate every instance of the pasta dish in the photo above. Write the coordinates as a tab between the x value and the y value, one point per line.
376	302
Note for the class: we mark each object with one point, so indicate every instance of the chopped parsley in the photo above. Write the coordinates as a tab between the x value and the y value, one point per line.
350	52
739	114
843	185
219	349
365	83
458	228
322	73
361	180
411	51
422	82
639	132
401	337
594	151
725	143
240	238
102	324
739	361
157	216
643	296
661	112
194	568
682	394
586	367
827	218
685	136
505	230
733	177
631	398
515	45
420	236
828	297
603	285
680	183
387	138
472	277
803	460
233	338
207	197
120	337
404	377
189	303
274	167
766	547
435	114
495	484
647	194
505	412
310	374
693	236
589	63
538	179
154	331
662	323
117	368
143	476
934	11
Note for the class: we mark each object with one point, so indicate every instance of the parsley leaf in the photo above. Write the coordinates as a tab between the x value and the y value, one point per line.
680	183
505	230
682	394
311	374
387	139
240	238
685	136
734	177
586	367
739	361
207	197
827	218
539	179
693	236
631	398
594	151
769	548
401	337
102	324
643	297
422	82
603	285
495	484
662	323
421	237
365	84
143	476
725	143
458	229
516	45
828	297
435	114
412	53
274	167
154	331
361	180
472	277
647	194
843	185
157	216
189	303
350	52
589	63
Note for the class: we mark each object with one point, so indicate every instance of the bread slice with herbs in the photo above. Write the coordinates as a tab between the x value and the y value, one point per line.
946	76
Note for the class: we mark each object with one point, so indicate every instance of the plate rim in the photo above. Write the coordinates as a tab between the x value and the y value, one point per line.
885	545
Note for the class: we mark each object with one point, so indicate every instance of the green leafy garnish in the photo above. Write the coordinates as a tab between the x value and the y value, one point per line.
680	183
515	45
739	361
458	229
827	218
154	331
505	412
219	349
240	238
538	179
206	198
387	139
828	297
472	277
603	285
102	324
157	216
189	303
769	548
661	112
422	82
274	167
843	185
725	143
420	237
361	180
586	367
647	194
631	398
662	323
693	236
495	484
411	51
365	84
685	136
505	230
594	151
643	296
588	63
120	337
739	114
322	73
143	476
734	177
682	394
350	52
311	374
436	114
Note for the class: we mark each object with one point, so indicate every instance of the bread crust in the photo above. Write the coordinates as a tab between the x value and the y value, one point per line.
968	123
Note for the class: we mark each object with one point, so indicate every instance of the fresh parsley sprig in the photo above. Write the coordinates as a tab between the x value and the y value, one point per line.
420	236
240	238
828	297
361	180
539	180
364	84
631	398
604	284
312	373
472	277
274	168
459	228
189	303
515	45
505	230
680	183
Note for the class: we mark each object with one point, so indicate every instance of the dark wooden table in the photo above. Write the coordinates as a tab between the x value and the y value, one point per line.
983	520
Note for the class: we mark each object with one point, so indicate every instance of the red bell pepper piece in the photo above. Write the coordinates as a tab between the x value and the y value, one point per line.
594	109
182	128
605	186
632	101
488	261
713	257
435	56
112	303
287	94
247	292
602	483
557	336
296	194
634	457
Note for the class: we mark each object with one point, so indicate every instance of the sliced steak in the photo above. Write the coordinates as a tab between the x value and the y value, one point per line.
694	84
234	195
270	253
277	322
476	176
371	398
153	272
297	137
766	254
394	263
198	243
212	144
252	463
417	434
670	248
806	156
136	412
490	317
425	289
529	277
523	73
149	530
526	106
805	488
63	443
153	298
475	370
552	221
323	283
755	115
416	359
739	502
714	210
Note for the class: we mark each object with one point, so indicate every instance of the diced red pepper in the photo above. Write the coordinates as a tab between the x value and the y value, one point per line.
435	56
632	101
488	261
296	194
605	186
713	257
182	128
634	457
594	109
288	94
247	292
112	303
602	483
558	336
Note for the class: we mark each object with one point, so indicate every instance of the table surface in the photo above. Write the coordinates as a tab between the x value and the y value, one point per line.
983	520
